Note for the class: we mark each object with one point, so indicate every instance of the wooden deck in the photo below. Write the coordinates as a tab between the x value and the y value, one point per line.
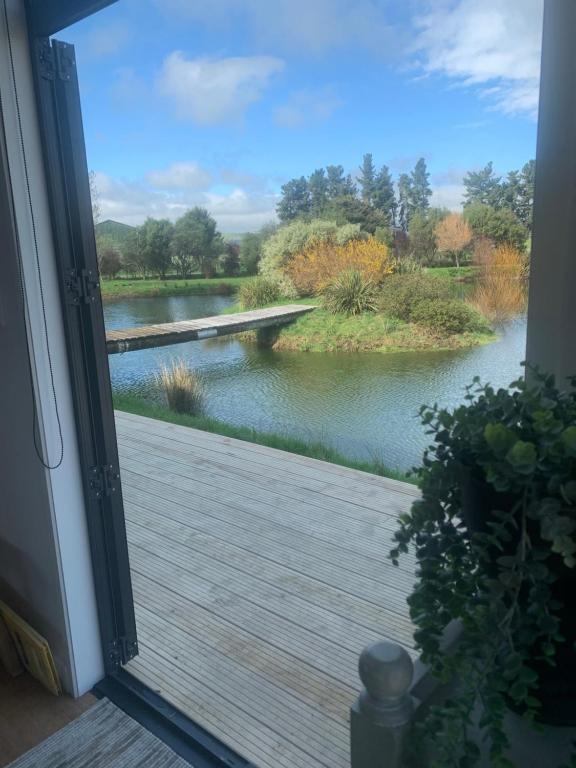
258	576
164	334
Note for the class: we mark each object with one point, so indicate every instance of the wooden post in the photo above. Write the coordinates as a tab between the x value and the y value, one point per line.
551	338
381	717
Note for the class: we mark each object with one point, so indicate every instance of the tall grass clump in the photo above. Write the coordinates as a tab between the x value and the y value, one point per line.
182	387
258	292
501	291
351	293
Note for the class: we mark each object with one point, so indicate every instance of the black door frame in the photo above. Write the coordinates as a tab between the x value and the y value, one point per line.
60	119
64	155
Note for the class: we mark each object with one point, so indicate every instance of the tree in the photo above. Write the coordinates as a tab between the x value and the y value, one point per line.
230	260
511	191
318	190
196	242
384	198
335	181
500	226
110	263
250	253
156	237
404	201
420	191
367	178
134	256
295	200
453	235
422	234
526	194
483	187
350	210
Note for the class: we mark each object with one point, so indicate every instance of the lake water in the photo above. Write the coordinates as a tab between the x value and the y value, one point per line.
364	404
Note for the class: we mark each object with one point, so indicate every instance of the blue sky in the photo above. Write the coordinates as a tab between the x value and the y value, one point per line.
189	102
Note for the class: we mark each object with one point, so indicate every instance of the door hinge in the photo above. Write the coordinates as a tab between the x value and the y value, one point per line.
65	61
119	651
46	59
103	480
82	286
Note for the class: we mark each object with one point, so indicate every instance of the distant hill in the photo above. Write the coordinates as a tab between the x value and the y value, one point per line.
114	232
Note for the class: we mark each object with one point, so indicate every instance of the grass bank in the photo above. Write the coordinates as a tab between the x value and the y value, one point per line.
321	331
130	289
314	450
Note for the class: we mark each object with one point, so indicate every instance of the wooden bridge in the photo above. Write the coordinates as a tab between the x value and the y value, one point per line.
146	336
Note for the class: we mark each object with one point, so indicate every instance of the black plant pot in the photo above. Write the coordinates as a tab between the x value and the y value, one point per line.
557	689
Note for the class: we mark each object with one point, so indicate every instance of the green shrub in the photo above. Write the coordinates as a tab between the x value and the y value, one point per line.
400	293
258	292
351	293
293	238
182	387
447	317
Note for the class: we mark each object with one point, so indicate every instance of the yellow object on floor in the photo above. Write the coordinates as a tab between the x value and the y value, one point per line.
33	650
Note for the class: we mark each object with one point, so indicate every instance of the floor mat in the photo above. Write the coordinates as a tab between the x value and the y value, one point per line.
103	737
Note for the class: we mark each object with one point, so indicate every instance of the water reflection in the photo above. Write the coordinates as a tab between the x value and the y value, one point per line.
366	405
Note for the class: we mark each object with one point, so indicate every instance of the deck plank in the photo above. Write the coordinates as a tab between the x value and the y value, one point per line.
258	578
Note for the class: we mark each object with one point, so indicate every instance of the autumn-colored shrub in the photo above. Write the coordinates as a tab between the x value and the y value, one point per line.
314	268
501	291
351	293
453	235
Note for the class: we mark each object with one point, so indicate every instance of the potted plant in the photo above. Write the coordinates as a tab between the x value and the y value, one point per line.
494	538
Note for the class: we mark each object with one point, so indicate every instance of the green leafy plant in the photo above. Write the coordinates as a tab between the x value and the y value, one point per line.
400	293
494	538
448	316
351	293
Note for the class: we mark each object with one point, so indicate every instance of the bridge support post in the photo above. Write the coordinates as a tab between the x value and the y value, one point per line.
381	717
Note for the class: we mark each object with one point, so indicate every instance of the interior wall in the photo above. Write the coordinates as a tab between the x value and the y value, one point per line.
29	570
45	563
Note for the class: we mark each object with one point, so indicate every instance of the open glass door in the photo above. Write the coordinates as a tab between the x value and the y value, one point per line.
69	194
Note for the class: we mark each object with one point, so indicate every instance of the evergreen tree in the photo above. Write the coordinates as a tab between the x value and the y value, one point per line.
526	195
511	192
384	198
335	181
367	179
420	192
483	187
295	200
318	189
404	201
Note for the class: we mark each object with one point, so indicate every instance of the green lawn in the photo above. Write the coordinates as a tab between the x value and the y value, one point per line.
125	288
314	450
321	331
452	273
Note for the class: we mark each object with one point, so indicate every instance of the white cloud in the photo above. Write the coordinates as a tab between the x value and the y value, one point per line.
210	91
308	26
447	196
307	106
491	44
132	201
180	176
